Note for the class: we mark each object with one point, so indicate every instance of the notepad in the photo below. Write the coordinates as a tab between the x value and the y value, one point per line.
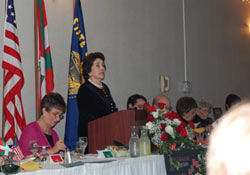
30	166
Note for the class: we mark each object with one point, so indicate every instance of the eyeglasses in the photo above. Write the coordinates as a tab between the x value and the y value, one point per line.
59	115
206	110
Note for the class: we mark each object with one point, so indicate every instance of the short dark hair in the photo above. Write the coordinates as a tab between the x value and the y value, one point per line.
88	63
53	100
133	98
231	99
185	104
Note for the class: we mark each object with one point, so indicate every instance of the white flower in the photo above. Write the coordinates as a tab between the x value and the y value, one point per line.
177	121
170	131
156	114
149	125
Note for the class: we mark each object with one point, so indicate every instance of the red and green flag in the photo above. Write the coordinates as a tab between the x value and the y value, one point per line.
45	68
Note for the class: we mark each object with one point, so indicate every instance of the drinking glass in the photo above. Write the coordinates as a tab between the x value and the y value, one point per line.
83	139
79	149
44	154
191	134
34	147
200	137
207	133
84	143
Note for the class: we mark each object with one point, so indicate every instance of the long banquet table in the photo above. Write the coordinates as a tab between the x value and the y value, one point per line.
148	165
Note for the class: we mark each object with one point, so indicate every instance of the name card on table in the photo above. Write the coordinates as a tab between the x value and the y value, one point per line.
182	163
55	158
102	154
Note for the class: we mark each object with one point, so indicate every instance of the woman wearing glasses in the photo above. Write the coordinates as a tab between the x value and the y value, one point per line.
52	108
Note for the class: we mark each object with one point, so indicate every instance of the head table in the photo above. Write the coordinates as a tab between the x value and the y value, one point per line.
147	165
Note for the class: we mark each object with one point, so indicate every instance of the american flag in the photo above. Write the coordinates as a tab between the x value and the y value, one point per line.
13	78
18	153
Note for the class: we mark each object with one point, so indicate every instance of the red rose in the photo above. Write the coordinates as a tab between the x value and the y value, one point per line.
164	137
170	115
181	130
151	109
163	126
161	105
150	118
146	105
166	114
191	124
172	146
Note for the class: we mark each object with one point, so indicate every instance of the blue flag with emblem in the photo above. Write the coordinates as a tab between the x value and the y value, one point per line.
75	78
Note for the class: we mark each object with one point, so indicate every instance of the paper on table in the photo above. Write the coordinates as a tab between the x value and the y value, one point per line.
30	166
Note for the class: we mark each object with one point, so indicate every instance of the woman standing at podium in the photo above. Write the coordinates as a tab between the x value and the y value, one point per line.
94	98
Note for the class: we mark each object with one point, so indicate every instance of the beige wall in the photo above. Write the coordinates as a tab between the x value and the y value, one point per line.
142	39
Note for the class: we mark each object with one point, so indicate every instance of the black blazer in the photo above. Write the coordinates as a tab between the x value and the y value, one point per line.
93	103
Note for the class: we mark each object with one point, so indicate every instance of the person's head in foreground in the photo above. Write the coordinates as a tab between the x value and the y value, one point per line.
229	144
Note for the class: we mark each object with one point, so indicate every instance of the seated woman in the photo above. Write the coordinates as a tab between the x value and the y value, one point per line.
186	108
201	117
52	107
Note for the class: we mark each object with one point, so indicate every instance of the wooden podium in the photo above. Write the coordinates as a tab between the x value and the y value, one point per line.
115	126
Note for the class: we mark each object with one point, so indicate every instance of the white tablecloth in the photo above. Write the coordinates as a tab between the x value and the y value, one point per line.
148	165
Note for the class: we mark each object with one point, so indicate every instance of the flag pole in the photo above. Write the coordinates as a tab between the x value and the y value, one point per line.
36	60
3	116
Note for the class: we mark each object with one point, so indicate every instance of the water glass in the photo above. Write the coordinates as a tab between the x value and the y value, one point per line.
200	137
44	154
80	148
84	141
34	147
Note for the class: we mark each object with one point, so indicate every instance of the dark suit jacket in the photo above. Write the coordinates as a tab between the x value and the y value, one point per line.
93	103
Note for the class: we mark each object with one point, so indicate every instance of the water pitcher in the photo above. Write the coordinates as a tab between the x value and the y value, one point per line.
145	144
134	143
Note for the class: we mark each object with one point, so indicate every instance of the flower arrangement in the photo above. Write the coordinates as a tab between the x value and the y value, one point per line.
167	131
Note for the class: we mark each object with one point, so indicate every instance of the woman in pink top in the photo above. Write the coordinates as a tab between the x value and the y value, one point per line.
53	107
